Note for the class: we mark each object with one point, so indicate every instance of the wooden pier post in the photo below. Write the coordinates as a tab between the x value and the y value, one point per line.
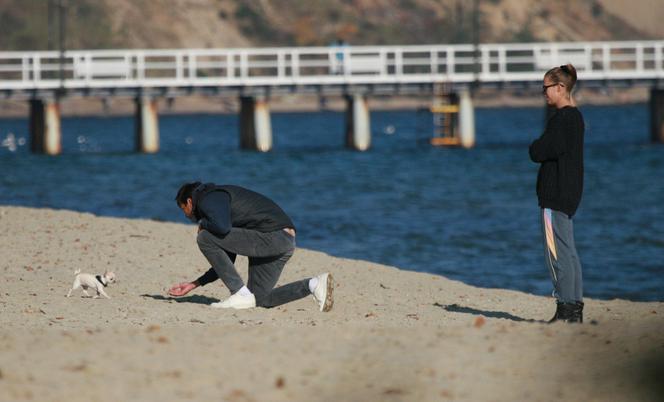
147	125
255	126
466	120
358	123
657	115
45	134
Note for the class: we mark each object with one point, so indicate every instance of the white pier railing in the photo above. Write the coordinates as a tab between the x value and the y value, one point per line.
352	65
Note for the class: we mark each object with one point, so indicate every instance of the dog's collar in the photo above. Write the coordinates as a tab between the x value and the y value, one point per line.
100	280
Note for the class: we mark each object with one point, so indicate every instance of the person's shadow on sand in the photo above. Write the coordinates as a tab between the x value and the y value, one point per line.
455	308
198	299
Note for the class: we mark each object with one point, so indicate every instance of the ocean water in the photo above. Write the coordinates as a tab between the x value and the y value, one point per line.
470	215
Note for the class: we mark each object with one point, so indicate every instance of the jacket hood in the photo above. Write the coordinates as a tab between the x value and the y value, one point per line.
200	192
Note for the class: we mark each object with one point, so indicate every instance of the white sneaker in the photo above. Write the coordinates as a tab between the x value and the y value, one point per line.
237	301
323	292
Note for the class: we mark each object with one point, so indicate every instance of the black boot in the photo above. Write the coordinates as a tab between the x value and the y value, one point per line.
558	314
568	312
577	313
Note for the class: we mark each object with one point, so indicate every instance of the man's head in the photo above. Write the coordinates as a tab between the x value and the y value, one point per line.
183	198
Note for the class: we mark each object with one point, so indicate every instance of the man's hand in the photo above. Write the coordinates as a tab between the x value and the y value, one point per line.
181	289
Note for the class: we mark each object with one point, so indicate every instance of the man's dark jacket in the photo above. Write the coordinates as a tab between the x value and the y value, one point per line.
219	208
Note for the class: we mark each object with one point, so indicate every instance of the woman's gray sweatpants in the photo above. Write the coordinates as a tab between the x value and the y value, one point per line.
267	253
560	256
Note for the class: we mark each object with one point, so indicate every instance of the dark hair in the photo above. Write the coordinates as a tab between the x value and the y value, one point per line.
565	75
185	192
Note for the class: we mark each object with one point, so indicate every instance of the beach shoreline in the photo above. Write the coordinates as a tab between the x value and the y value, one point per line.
392	334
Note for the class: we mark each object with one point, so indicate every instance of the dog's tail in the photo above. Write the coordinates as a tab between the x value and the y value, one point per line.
78	271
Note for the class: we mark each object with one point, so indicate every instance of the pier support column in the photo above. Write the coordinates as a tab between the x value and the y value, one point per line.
45	134
147	125
466	120
255	126
657	115
358	127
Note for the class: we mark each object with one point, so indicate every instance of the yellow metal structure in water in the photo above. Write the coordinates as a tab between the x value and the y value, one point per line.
445	142
445	111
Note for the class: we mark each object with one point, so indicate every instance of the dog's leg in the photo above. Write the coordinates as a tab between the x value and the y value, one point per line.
74	286
85	292
101	291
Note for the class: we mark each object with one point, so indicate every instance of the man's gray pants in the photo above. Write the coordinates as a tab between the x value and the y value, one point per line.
560	256
267	253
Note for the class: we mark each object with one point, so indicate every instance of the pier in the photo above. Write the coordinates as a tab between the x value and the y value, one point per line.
355	73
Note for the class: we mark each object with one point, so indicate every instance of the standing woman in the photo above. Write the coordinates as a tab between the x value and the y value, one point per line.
559	151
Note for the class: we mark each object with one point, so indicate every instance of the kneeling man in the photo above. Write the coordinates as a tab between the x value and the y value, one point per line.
233	220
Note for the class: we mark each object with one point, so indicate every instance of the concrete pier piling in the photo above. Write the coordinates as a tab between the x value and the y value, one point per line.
255	125
45	131
657	115
147	125
358	127
466	120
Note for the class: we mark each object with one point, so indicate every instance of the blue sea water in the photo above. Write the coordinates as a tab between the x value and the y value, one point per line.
470	215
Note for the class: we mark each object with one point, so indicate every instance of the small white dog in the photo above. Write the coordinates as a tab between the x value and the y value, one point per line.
89	281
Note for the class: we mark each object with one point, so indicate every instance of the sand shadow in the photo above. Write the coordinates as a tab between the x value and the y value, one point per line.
649	370
455	308
197	299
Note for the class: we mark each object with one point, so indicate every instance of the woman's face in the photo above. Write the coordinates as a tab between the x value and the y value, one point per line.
552	91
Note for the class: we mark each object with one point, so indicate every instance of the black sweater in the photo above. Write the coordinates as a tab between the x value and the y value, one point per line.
560	152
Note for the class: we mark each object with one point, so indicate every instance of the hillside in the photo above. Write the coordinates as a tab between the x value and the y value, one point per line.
236	23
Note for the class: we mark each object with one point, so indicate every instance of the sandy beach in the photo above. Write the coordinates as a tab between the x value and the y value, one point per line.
393	335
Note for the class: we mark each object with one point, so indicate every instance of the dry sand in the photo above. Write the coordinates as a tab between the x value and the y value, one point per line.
393	335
